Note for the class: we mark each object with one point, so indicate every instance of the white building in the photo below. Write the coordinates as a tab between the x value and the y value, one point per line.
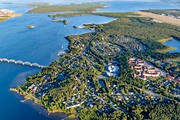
113	68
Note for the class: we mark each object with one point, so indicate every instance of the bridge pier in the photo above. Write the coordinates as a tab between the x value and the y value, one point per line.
21	62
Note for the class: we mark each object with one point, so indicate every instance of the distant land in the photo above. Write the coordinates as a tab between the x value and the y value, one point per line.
47	8
162	18
6	14
172	1
175	13
171	16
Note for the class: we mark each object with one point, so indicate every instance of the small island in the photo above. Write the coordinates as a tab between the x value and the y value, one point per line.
64	21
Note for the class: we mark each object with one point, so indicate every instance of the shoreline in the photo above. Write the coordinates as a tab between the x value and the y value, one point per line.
168	48
2	18
34	101
56	115
28	99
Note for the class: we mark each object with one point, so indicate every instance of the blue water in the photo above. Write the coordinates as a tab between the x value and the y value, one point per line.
173	43
134	6
40	45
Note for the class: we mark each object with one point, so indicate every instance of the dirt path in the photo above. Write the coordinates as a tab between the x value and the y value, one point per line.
165	19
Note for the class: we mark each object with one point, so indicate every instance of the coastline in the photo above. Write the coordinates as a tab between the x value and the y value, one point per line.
9	17
28	98
55	115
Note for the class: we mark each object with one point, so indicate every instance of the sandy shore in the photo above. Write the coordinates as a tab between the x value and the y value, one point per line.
165	19
2	18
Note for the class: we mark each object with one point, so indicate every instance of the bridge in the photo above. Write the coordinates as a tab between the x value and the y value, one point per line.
21	62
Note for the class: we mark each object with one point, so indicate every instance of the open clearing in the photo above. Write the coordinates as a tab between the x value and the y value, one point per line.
165	19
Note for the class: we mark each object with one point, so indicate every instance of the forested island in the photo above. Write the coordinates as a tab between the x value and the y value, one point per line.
118	71
47	8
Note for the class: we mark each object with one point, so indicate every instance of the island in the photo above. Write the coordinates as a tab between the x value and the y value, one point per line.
118	71
6	14
64	21
47	8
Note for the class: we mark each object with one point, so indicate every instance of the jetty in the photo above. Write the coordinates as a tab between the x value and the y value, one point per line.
21	62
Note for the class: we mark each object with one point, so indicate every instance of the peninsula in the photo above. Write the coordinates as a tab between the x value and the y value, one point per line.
115	72
6	14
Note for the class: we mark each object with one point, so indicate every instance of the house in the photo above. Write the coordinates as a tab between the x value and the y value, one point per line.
169	77
118	93
31	86
155	74
74	87
177	80
151	69
132	59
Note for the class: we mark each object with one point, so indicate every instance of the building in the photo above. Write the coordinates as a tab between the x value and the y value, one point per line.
112	70
143	69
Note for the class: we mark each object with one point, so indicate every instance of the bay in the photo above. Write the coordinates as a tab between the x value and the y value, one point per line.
41	45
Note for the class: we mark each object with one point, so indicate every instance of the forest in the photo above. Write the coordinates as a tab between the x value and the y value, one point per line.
47	8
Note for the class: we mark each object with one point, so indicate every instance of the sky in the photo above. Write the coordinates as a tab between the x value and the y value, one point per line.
63	1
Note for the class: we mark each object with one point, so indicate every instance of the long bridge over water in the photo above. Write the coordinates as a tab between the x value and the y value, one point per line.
21	62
